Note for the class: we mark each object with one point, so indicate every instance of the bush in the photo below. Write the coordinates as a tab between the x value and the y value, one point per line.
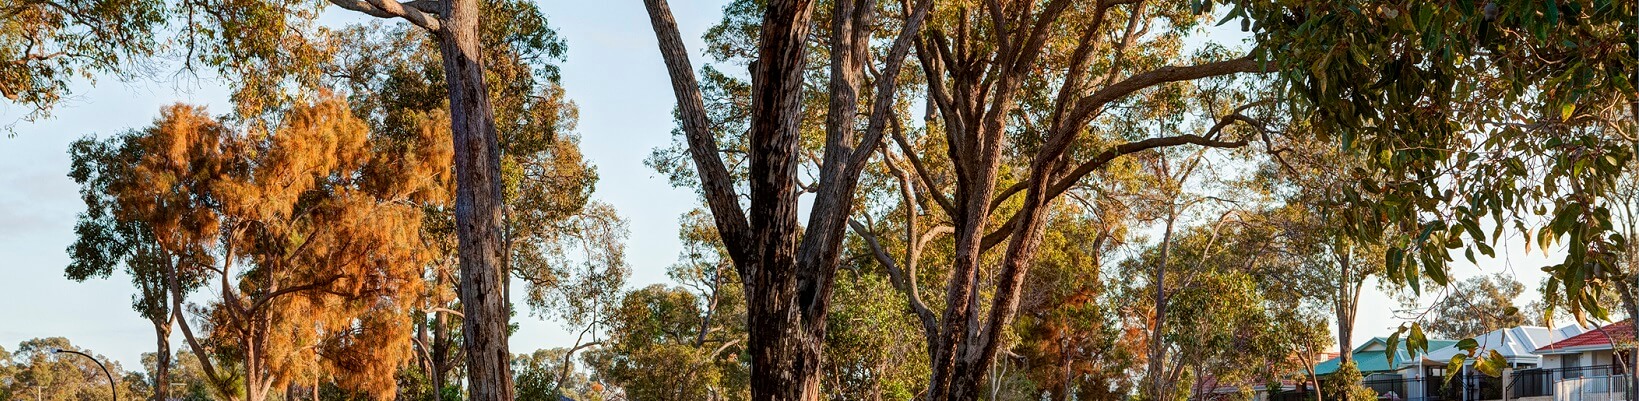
1344	385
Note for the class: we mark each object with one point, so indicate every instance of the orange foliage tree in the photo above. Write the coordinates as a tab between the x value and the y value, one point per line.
307	233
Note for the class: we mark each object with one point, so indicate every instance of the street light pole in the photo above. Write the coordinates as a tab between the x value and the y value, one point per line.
111	391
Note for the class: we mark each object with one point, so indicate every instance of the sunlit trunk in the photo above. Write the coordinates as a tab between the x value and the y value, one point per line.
477	205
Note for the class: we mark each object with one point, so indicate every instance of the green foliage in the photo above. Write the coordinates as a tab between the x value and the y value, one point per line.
1477	306
565	246
1344	385
1506	113
658	329
44	44
35	368
1225	319
547	375
873	348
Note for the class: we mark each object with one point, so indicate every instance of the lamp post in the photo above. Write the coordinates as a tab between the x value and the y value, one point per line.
111	391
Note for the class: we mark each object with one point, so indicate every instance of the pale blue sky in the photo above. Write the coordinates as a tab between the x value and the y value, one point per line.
613	73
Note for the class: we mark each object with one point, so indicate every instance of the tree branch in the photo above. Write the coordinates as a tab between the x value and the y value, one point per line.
412	12
715	181
906	283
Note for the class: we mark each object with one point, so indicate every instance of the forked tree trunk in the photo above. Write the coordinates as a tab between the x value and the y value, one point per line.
477	204
788	270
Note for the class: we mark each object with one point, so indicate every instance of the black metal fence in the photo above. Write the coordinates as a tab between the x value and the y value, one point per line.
1471	386
1598	379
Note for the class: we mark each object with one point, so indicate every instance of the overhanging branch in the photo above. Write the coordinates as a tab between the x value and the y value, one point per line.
418	12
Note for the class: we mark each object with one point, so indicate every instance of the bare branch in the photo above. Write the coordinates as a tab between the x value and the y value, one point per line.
393	9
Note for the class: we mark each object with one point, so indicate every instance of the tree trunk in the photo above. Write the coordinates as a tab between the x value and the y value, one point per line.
162	360
1625	287
785	358
786	301
1158	385
441	354
1348	303
477	205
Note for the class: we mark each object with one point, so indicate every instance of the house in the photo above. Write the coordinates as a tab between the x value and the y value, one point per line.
1587	366
1517	346
1399	377
1371	358
1424	377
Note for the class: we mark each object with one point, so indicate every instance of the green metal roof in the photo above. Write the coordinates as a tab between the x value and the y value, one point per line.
1374	361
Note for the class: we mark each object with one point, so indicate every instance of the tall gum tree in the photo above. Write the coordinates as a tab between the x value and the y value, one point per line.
263	46
552	225
788	270
1041	86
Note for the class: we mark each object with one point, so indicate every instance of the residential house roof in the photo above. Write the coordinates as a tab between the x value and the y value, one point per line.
1371	356
1596	339
1516	344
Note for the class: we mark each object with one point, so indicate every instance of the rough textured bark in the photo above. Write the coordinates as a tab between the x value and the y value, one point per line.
1626	287
788	271
162	359
477	204
478	200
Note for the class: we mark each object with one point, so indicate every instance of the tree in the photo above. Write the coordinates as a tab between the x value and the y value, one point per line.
873	350
1051	103
788	270
1477	306
1070	332
565	246
36	370
983	124
44	44
184	370
267	45
659	329
292	209
1344	385
478	195
1311	178
696	330
1511	110
549	375
106	240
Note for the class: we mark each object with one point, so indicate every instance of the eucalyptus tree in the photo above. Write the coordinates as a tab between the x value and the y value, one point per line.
264	46
1060	90
35	370
696	329
107	237
1477	306
45	44
565	246
1510	114
1310	178
787	269
976	101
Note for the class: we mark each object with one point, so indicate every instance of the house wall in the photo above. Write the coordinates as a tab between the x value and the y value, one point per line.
1587	358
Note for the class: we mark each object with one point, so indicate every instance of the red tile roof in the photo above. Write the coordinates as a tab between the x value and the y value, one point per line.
1599	338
